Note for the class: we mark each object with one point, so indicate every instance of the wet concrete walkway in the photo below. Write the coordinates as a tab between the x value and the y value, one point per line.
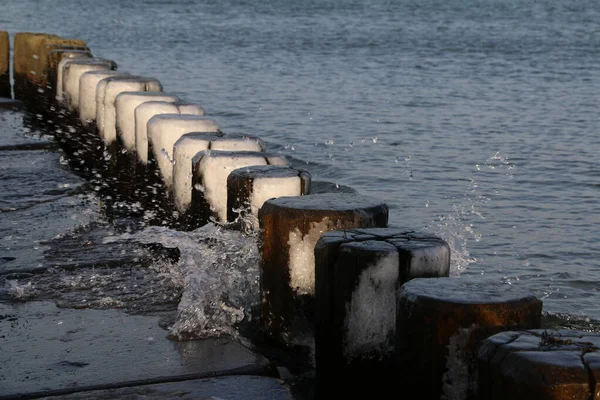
48	350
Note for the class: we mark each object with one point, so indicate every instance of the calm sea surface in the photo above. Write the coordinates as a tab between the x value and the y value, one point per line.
475	120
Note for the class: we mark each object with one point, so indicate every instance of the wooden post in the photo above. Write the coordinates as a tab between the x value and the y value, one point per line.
440	322
210	170
539	364
290	227
5	88
357	272
190	144
249	187
71	74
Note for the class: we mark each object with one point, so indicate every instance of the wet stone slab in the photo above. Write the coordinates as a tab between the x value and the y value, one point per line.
48	351
230	388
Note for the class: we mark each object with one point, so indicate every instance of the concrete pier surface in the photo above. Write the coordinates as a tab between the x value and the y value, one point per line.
49	350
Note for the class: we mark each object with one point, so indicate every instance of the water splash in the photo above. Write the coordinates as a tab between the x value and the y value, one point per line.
220	274
459	227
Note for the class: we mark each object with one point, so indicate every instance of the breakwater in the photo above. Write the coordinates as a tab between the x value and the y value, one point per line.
375	258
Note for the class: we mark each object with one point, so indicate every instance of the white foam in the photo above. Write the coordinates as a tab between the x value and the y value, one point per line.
108	129
165	129
302	255
125	105
429	261
370	322
219	270
266	188
144	112
215	167
66	58
88	83
71	78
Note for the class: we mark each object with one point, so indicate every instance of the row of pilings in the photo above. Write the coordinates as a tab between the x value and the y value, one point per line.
386	317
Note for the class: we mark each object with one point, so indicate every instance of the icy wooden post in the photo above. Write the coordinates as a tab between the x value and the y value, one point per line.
357	272
144	112
5	89
72	71
440	322
190	144
61	71
163	131
126	160
210	170
88	83
125	104
539	364
106	93
249	187
289	229
93	150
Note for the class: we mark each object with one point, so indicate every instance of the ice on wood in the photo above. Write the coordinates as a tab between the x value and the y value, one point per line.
125	104
370	321
189	145
302	255
267	188
107	91
88	82
72	73
66	58
144	112
248	188
212	169
165	129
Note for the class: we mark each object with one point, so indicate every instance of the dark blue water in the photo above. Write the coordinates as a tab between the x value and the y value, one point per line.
476	120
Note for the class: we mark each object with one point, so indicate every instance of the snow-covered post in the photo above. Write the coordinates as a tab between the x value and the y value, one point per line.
290	227
249	187
440	323
357	273
210	170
